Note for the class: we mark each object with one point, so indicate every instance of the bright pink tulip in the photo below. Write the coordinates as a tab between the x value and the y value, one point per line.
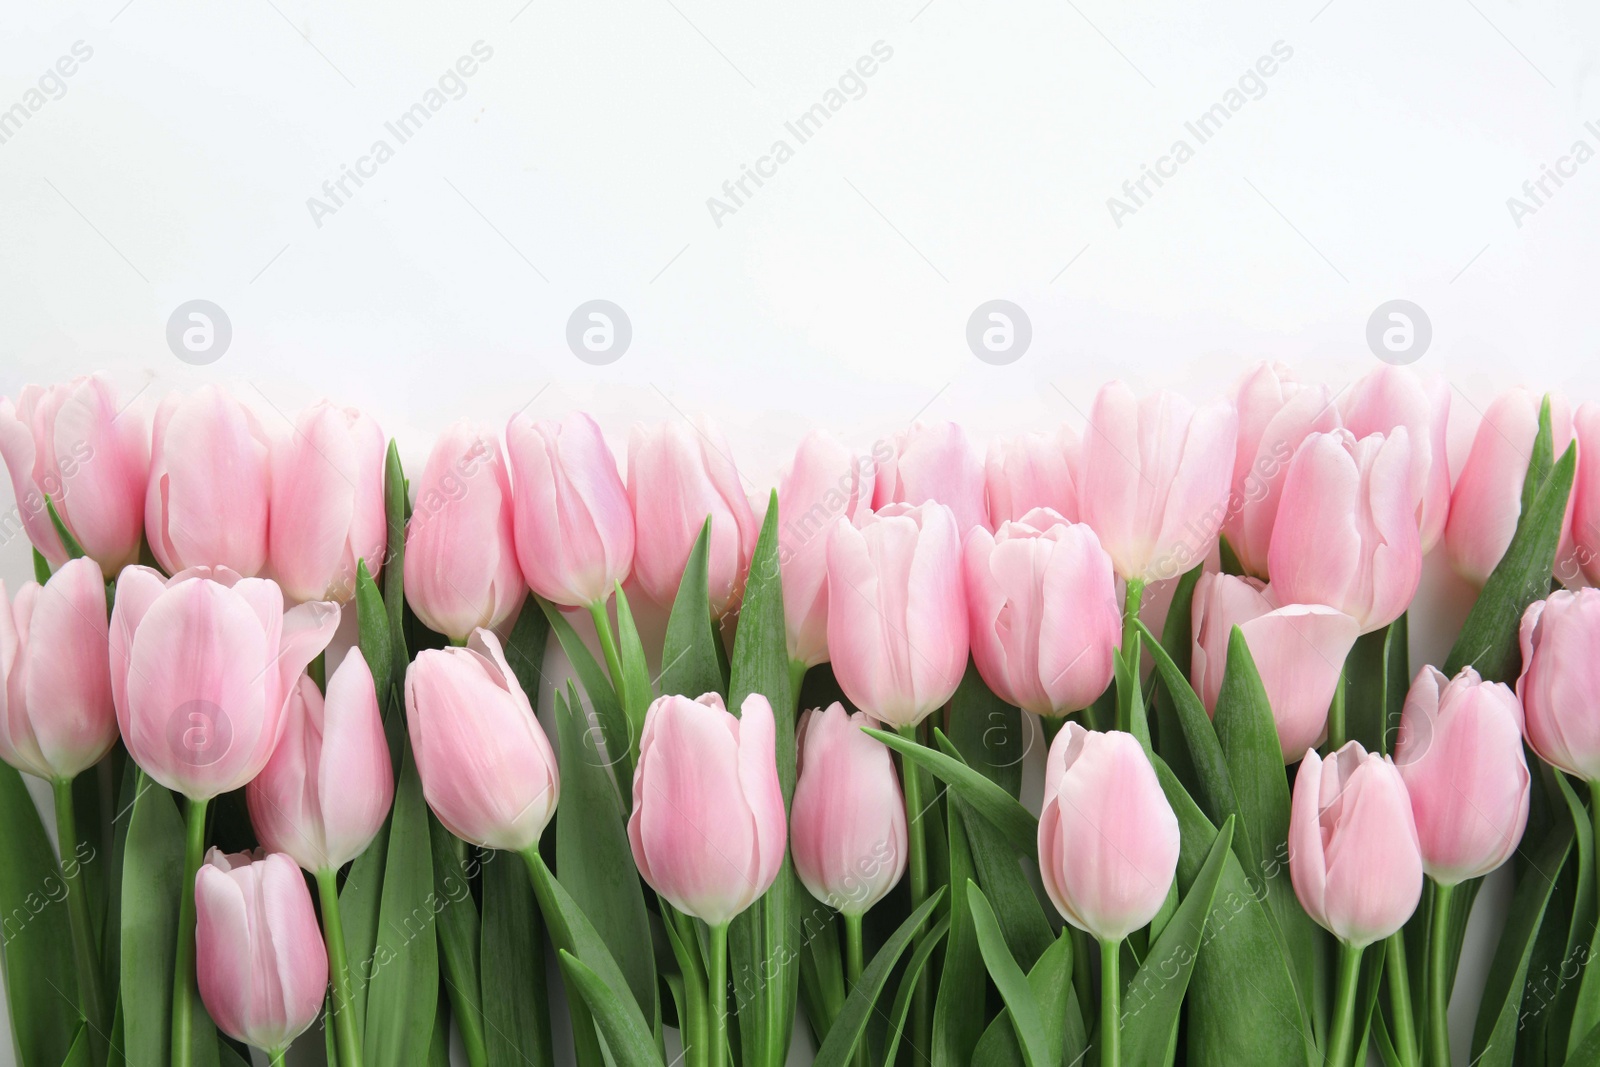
91	456
1560	676
1585	504
1154	479
210	484
677	476
56	714
259	956
1276	413
1460	754
1390	397
323	795
708	829
327	503
849	817
202	665
1354	858
574	526
461	568
486	766
1032	470
935	463
897	611
1043	612
1299	650
1346	532
1108	840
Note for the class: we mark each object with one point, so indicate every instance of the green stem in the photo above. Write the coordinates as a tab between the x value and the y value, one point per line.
91	990
911	775
1342	1037
852	970
458	642
1438	980
608	643
275	1058
1110	1003
344	1017
185	992
1399	982
797	678
1131	649
1336	728
717	994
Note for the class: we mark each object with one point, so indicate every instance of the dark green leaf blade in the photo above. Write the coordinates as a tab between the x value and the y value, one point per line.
152	870
516	1007
627	1040
999	808
1038	1050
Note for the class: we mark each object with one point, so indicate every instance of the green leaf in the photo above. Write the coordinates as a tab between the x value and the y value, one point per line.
634	688
70	543
1366	691
1000	873
373	620
627	1040
999	808
915	966
41	567
516	1006
396	510
1541	457
360	900
958	1010
1050	980
689	655
1178	644
991	735
457	924
152	874
1039	1047
608	711
1210	766
525	648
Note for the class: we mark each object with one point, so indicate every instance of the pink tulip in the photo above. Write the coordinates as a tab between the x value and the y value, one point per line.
677	476
1108	840
1584	560
202	665
897	611
327	503
461	568
824	483
1043	612
935	463
849	817
1276	413
210	484
1560	677
1154	482
1354	858
1390	397
486	766
259	957
323	795
1299	650
1346	535
56	714
1032	470
574	526
1460	755
91	456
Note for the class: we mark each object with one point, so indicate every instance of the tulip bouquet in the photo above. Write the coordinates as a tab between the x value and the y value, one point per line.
292	711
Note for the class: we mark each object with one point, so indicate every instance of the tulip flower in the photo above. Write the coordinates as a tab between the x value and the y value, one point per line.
327	503
678	475
487	768
210	484
1560	676
935	463
1299	650
1346	532
1032	470
261	965
1585	503
91	456
1043	612
1390	397
461	568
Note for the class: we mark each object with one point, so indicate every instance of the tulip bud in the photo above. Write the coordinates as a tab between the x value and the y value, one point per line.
1108	840
1032	470
574	527
897	611
1155	477
486	766
1043	612
825	483
461	568
1346	532
1560	676
849	817
327	503
1354	858
1390	397
74	444
708	828
259	957
323	795
1585	502
935	463
56	714
1460	755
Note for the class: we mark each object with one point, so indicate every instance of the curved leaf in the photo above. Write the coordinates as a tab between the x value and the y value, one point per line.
1003	812
690	660
908	986
627	1040
1039	1047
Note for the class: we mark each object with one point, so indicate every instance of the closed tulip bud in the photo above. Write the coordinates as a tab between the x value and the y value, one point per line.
202	665
327	503
1032	470
897	611
259	957
1560	676
1299	650
461	568
486	766
1354	858
824	484
1346	532
1391	397
677	476
1108	840
1460	755
90	456
849	817
210	484
323	795
1043	612
1155	474
1585	504
56	714
574	527
935	463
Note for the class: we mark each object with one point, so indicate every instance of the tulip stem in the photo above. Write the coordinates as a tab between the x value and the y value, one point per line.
852	971
1438	980
275	1058
918	864
1110	1002
184	990
1395	973
1342	1036
717	994
90	988
1336	736
344	1018
1131	649
608	643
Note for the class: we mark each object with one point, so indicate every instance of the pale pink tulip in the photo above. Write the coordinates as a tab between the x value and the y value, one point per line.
1390	397
1584	561
1032	470
1560	677
935	462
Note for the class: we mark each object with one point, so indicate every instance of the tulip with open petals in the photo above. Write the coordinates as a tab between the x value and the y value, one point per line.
1390	397
935	463
1032	470
1560	677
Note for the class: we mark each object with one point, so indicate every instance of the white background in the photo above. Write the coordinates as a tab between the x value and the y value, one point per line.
976	165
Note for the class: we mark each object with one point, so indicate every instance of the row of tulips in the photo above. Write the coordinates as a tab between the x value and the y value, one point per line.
1202	610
